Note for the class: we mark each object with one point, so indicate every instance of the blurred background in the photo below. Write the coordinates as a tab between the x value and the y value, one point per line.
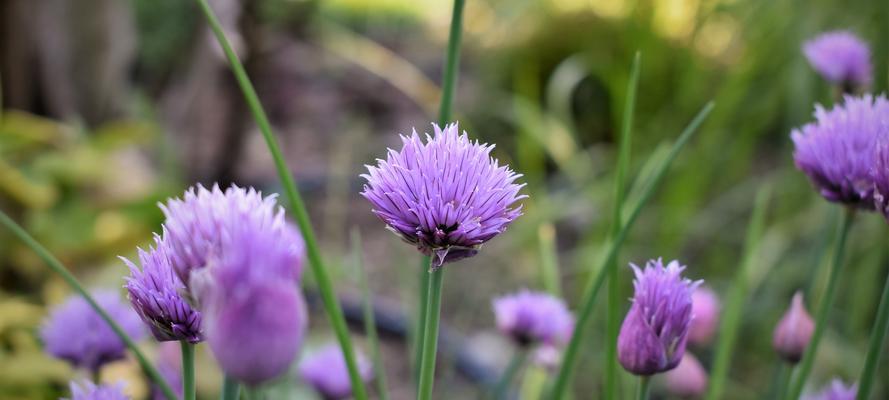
110	106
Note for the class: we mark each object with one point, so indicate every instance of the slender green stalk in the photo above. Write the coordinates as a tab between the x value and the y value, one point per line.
518	360
785	374
297	207
370	323
430	335
826	304
187	370
615	299
875	348
449	81
734	305
69	278
231	389
421	317
607	263
644	388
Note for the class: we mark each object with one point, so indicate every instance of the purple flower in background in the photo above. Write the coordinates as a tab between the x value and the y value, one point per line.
837	151
705	307
840	57
794	331
447	196
533	317
880	170
325	370
195	224
688	379
155	292
255	314
87	390
76	333
169	365
837	390
654	333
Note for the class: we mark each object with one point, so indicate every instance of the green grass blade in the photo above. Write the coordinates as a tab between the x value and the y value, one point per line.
875	347
589	298
370	323
297	207
60	269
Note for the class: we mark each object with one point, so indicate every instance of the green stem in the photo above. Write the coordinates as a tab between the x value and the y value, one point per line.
231	389
518	359
785	374
615	300
644	388
187	370
449	81
60	269
608	262
297	207
430	335
370	323
875	348
826	304
425	262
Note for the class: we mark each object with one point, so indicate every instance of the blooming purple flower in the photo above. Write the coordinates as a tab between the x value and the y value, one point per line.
156	293
794	331
837	151
840	57
837	390
880	170
195	224
654	333
326	371
688	379
87	390
447	196
255	314
533	317
705	307
76	333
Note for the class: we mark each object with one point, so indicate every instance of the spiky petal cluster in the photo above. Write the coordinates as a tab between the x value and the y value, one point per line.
76	333
325	370
255	314
794	331
654	333
87	390
447	196
880	170
840	57
156	293
533	317
706	307
837	390
195	224
837	150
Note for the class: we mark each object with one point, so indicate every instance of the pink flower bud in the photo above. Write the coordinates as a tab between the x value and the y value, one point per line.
688	380
794	331
705	307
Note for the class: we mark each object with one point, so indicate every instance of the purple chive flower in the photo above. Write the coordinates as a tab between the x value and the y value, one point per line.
840	57
74	332
156	293
195	224
837	151
255	314
688	380
325	370
447	196
533	317
705	306
880	170
837	390
87	390
794	331
654	333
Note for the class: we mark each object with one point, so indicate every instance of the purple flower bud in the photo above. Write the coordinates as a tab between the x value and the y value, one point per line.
447	196
533	317
74	332
155	292
837	151
654	333
836	391
255	314
705	307
325	370
87	390
794	331
547	356
688	380
840	57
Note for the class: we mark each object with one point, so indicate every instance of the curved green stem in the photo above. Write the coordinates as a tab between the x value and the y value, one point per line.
875	348
297	207
187	370
644	388
518	359
430	335
231	389
419	330
825	306
60	269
